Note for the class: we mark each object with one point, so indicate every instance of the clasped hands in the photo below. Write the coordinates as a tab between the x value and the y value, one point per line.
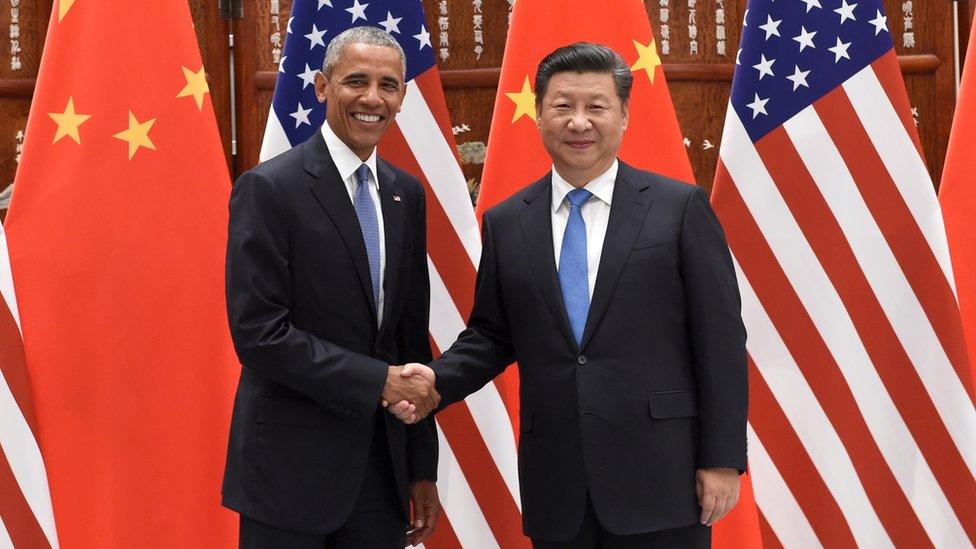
409	393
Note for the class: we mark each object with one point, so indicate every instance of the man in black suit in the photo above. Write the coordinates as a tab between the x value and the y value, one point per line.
633	402
326	287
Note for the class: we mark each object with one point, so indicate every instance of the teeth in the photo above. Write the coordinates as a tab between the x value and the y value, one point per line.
367	117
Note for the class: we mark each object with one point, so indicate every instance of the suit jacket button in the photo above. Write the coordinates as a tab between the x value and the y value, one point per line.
356	414
581	360
332	405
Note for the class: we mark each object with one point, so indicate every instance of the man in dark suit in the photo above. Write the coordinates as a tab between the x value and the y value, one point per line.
614	290
326	287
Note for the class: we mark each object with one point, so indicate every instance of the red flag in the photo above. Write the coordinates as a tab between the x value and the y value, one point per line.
117	230
957	195
652	141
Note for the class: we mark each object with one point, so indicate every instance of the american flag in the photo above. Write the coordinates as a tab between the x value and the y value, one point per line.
26	515
862	424
477	474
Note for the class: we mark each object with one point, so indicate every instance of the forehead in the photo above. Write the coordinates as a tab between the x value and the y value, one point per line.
369	58
585	84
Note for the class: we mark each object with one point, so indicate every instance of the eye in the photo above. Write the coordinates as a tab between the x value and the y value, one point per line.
598	108
561	106
390	86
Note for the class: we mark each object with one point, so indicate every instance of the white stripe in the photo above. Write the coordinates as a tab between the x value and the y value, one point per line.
901	158
459	503
7	281
808	419
895	294
441	168
774	499
23	454
826	309
486	405
275	140
5	541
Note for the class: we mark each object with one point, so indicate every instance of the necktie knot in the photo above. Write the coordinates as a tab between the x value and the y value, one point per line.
362	174
578	197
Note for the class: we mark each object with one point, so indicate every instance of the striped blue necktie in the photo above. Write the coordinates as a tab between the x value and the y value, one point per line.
366	212
573	277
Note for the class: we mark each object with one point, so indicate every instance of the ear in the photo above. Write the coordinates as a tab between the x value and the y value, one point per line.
321	86
626	115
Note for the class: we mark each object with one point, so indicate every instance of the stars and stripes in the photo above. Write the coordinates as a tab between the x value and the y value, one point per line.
478	478
862	424
26	515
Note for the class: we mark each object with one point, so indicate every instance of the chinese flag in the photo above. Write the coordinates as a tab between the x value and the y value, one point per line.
117	231
652	141
957	195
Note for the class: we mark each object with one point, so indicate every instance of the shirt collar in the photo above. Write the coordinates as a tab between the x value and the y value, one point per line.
346	161
601	186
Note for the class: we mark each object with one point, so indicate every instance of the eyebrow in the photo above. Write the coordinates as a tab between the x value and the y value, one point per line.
362	75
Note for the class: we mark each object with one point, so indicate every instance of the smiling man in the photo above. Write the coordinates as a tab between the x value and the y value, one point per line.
326	287
614	290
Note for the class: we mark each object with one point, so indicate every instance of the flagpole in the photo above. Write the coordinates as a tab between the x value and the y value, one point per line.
955	42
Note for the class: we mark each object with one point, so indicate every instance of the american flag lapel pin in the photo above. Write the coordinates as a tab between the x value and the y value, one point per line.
396	198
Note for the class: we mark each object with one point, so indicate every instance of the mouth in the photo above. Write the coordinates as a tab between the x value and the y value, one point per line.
367	118
580	144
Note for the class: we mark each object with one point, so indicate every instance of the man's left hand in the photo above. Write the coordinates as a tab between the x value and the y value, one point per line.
426	507
718	492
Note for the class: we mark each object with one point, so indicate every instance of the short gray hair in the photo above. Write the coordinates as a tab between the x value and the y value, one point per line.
361	35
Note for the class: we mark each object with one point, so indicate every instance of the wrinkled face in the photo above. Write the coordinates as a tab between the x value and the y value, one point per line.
582	122
363	94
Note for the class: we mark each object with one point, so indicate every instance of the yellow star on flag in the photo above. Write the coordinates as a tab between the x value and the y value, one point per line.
196	85
524	101
647	58
63	7
137	135
68	122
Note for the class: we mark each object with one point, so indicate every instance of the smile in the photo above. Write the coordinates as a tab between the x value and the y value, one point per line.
579	144
366	117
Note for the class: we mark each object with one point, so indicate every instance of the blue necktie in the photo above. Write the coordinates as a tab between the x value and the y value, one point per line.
366	212
573	278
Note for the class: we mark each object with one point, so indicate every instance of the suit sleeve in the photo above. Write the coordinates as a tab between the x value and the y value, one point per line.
259	295
484	349
413	344
717	336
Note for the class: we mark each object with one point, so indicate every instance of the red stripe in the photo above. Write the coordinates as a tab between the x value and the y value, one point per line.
17	516
812	357
829	243
794	465
911	250
13	365
893	364
443	536
769	538
889	74
445	248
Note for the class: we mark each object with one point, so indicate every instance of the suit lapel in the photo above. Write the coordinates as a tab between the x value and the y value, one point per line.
536	224
330	191
393	220
632	198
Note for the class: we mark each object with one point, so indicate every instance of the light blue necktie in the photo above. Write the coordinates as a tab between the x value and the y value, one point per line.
573	278
366	212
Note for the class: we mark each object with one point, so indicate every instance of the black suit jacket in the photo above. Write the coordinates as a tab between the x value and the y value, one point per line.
658	387
301	313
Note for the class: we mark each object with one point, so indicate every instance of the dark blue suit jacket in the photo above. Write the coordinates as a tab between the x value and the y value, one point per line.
300	305
658	387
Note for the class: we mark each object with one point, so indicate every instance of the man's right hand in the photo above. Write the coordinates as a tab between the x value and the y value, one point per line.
410	391
404	410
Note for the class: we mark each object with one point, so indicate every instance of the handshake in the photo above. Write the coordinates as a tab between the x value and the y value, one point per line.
409	393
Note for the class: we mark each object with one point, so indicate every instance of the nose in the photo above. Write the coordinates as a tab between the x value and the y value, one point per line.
371	96
579	122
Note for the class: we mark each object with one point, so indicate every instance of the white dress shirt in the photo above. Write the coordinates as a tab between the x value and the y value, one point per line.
347	163
596	215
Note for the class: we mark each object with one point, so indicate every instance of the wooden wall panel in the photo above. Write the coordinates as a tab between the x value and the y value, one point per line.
17	84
